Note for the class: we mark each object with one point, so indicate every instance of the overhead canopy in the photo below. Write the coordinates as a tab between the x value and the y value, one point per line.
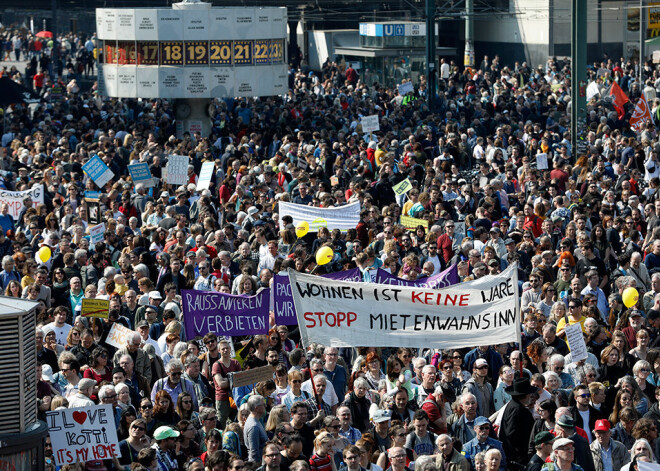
12	93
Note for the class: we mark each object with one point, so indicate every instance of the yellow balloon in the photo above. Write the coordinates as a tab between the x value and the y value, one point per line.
302	229
630	297
324	255
44	254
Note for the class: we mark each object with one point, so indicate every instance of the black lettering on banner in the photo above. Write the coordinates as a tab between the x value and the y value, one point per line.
311	290
426	322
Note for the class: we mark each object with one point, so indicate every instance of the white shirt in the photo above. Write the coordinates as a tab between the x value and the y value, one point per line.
329	396
61	333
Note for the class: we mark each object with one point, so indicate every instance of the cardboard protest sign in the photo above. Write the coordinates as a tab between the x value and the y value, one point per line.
402	187
95	308
441	280
405	88
342	217
225	314
118	335
542	161
140	173
83	434
98	171
370	123
342	314
244	378
96	233
205	175
177	169
285	313
576	342
14	199
412	223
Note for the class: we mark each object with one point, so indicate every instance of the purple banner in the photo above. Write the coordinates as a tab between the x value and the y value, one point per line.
224	314
285	313
441	280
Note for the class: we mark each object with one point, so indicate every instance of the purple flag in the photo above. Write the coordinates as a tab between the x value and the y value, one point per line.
441	280
224	314
285	313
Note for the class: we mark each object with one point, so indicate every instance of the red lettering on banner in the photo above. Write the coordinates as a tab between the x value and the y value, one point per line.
416	297
331	319
438	299
464	300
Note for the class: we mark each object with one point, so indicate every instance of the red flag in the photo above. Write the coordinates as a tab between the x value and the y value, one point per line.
619	99
641	115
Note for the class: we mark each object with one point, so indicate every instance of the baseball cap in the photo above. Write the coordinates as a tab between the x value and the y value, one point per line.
636	313
492	262
543	437
509	241
165	432
47	373
481	420
603	424
382	415
480	362
561	442
142	324
155	295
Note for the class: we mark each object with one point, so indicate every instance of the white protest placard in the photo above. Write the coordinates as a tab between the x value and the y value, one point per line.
542	161
370	123
342	217
96	233
83	434
177	169
205	175
118	335
14	199
342	313
405	88
576	342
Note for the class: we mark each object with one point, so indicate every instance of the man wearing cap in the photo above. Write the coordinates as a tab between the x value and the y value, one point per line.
483	442
165	447
496	242
564	455
636	323
607	453
543	446
81	398
517	422
481	388
381	419
154	300
142	328
565	428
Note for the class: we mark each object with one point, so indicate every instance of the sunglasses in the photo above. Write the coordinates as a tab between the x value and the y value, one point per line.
146	407
136	427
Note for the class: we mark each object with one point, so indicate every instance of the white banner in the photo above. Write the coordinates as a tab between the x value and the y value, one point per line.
370	123
177	169
343	217
83	434
14	199
346	314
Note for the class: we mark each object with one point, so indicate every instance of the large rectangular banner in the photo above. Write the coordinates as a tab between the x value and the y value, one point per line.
441	280
225	314
345	314
14	199
285	313
83	434
343	217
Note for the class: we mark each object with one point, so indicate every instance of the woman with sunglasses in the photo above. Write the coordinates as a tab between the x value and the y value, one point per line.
548	298
126	418
136	441
462	375
72	339
98	369
184	407
146	412
641	372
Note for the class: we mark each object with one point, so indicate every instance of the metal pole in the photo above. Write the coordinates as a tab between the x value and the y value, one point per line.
579	71
431	76
53	6
468	55
642	37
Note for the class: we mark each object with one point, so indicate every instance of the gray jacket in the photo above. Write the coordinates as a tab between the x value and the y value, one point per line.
620	455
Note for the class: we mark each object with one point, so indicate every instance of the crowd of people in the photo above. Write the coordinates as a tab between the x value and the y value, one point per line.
581	232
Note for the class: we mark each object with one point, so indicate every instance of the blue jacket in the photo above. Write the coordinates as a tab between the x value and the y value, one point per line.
473	447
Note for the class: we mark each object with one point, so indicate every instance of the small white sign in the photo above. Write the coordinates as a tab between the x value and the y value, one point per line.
576	342
96	233
370	123
205	175
118	335
542	161
177	169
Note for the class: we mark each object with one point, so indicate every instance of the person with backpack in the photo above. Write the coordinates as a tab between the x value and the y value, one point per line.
174	384
420	440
